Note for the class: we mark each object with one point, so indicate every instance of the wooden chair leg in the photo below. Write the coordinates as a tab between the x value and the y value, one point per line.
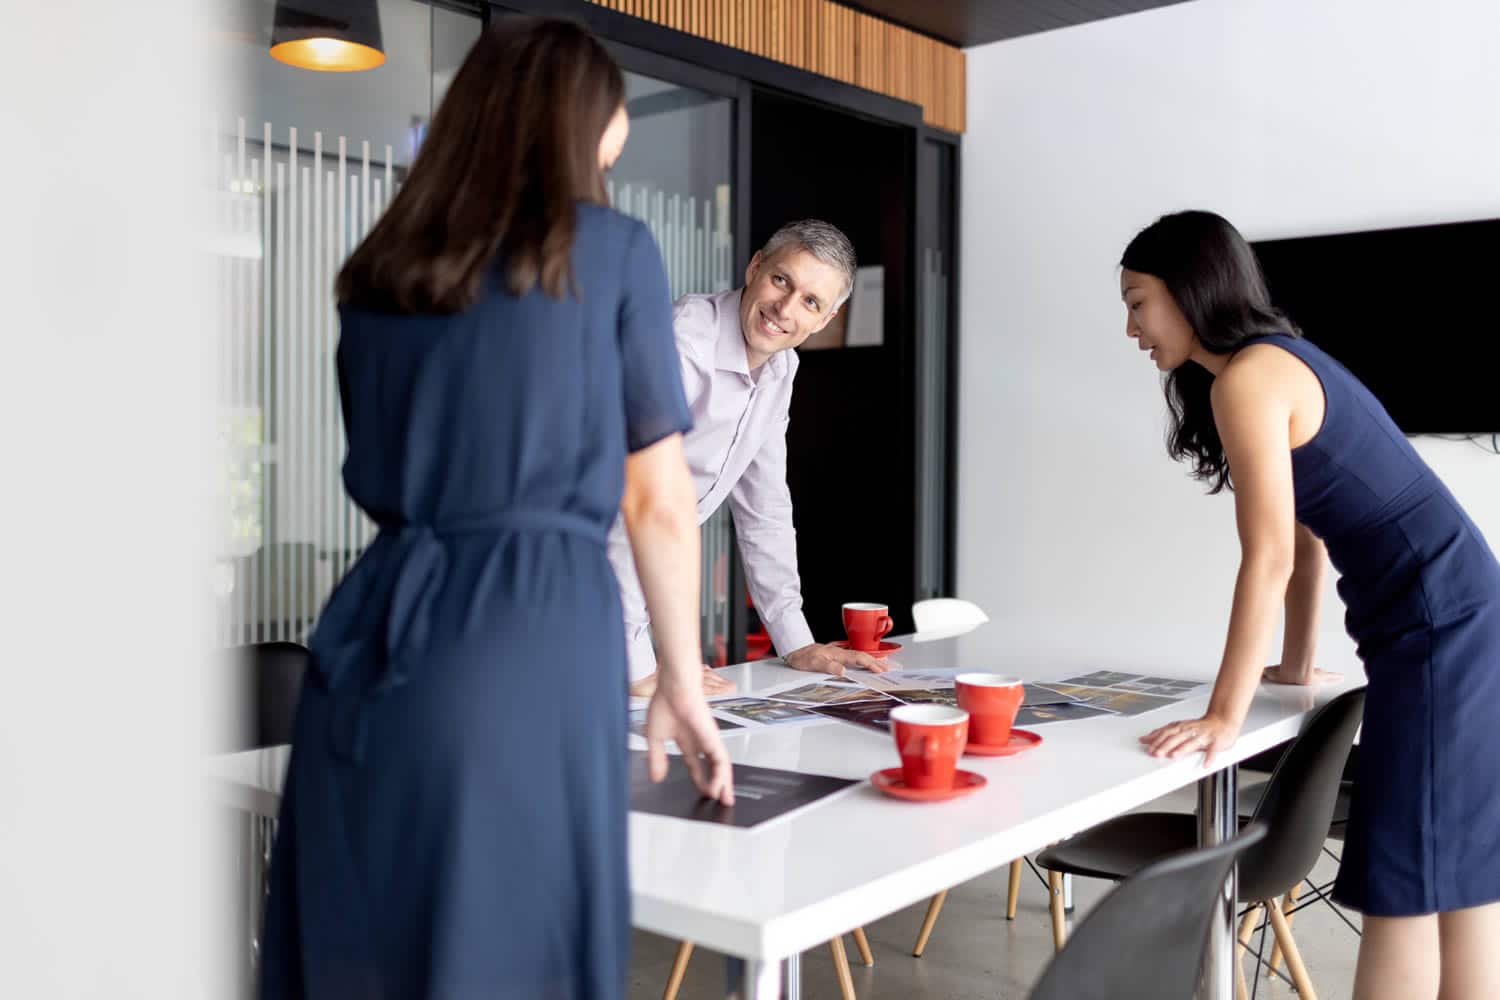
1294	964
1247	927
865	954
933	909
1059	918
1014	895
679	969
1288	904
841	966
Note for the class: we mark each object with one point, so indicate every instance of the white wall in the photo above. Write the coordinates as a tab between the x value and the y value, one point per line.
1288	117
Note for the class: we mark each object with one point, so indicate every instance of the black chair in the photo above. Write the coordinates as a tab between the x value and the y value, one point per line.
1296	808
1294	902
1147	938
265	684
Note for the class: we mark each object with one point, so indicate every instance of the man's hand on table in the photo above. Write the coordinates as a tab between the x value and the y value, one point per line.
819	658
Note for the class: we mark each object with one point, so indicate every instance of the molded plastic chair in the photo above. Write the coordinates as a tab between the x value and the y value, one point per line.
941	617
1296	808
1148	937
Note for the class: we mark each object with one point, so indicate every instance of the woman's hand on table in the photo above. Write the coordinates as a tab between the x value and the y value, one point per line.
1281	674
714	684
1208	735
681	715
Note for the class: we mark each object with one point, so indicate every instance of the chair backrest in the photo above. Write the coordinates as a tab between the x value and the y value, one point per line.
1148	936
267	683
1298	804
946	616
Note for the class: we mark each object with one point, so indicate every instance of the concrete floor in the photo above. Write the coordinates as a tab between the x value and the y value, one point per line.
976	953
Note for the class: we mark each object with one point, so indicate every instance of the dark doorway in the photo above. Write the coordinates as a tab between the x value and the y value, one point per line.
851	445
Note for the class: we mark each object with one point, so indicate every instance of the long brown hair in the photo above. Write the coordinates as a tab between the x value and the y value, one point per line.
1213	274
513	147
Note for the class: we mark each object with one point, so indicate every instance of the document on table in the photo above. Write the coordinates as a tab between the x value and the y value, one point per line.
936	686
874	715
761	794
825	693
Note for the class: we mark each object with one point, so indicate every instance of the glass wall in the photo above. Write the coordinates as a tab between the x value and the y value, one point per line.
676	175
304	163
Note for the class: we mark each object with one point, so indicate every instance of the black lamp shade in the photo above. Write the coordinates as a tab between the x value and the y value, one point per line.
339	36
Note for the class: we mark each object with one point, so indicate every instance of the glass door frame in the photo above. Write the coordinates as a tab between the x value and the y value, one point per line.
661	67
649	62
655	50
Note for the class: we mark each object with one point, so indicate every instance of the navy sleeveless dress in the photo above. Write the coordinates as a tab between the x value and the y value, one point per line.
1422	593
454	817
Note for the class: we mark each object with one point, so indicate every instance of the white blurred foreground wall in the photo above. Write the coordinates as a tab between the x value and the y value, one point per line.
103	418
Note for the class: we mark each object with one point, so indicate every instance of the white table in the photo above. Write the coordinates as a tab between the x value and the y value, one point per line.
764	896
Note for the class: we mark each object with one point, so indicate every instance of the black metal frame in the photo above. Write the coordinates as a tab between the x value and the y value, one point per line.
665	53
931	133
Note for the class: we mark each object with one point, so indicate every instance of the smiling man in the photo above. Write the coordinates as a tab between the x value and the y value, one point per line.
737	368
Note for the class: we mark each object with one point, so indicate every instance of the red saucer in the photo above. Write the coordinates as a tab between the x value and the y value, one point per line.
884	649
1020	741
889	781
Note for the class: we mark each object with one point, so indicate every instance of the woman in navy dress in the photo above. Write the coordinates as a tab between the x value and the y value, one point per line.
454	818
1321	473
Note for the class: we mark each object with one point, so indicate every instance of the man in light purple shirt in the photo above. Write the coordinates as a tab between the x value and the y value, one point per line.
737	368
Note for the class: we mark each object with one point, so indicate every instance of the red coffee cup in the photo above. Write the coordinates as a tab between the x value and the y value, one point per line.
867	624
930	739
992	701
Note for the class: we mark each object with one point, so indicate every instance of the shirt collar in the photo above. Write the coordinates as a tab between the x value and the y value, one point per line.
730	353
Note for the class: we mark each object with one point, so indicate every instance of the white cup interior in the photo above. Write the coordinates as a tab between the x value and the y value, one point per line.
928	715
988	680
861	606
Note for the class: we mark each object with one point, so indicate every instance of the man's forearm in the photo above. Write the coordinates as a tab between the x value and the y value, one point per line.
639	651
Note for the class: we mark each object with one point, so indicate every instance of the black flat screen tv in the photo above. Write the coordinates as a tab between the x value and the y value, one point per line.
1414	313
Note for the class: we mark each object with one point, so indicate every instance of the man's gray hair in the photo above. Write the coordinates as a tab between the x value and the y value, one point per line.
821	239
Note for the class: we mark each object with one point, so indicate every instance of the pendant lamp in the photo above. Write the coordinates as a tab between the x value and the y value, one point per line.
333	36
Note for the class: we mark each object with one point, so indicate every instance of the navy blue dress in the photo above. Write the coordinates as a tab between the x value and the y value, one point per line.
453	823
1422	592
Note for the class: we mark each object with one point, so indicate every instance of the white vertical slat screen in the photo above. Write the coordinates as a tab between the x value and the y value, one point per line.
289	214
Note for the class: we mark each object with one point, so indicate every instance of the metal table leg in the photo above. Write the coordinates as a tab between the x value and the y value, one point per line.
1218	821
752	979
794	977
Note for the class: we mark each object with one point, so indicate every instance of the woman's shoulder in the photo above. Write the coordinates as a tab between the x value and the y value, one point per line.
602	220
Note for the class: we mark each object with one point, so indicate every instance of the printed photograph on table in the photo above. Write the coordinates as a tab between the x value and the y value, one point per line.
826	693
1037	715
761	711
1042	694
1119	700
1104	678
934	696
874	715
760	794
907	680
1132	702
638	723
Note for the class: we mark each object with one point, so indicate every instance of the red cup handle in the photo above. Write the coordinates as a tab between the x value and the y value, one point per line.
929	749
885	627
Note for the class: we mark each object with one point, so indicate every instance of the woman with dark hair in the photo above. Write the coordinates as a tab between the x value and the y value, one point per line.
453	821
1320	472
